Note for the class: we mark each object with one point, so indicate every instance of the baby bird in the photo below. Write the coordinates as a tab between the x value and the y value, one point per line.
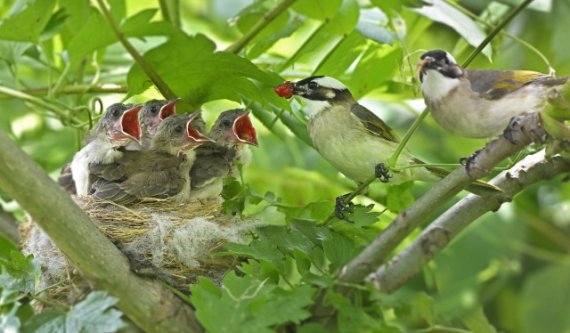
118	127
151	115
158	173
232	132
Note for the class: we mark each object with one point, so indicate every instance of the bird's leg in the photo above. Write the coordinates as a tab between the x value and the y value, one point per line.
343	207
511	129
382	172
467	161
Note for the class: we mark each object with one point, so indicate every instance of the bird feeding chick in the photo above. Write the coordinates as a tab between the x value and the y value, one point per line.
232	132
481	103
160	172
118	127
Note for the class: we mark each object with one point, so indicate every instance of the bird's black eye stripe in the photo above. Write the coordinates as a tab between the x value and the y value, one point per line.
307	80
313	85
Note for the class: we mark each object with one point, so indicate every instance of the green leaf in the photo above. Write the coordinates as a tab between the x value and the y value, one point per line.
194	71
477	322
247	305
378	66
20	273
94	314
400	197
9	321
442	12
351	318
546	300
94	34
338	249
343	55
318	9
373	24
27	20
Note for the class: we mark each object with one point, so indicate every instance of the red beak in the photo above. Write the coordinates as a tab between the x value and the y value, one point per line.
169	109
130	125
243	129
285	90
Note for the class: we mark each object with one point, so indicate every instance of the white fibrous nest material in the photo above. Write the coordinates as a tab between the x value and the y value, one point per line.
171	241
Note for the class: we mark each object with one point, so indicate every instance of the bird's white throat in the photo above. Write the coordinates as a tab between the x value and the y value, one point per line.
312	107
435	85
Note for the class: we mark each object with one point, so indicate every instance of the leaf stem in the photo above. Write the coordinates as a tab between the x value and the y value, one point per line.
260	25
146	67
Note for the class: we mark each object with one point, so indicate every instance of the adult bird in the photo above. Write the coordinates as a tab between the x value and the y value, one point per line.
118	127
160	172
480	103
353	139
232	132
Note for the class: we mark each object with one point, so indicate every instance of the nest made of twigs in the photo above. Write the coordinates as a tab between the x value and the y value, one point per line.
175	242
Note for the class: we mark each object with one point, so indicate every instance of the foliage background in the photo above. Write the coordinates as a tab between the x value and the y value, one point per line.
509	269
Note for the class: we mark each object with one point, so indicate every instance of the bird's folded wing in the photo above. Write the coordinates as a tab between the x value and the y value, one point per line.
495	85
207	169
373	124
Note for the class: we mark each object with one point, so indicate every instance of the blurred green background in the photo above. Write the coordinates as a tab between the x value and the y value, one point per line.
514	264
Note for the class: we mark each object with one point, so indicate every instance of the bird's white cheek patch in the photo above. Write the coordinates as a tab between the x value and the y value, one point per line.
313	107
436	86
331	94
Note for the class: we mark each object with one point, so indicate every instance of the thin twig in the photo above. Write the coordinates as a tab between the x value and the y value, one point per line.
146	67
78	89
260	25
13	93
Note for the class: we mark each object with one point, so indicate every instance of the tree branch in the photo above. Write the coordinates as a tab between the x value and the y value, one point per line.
79	89
524	130
146	67
434	238
260	25
147	303
9	227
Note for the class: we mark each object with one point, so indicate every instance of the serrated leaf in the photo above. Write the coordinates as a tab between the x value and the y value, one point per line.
192	69
442	12
21	273
247	305
95	314
33	15
338	249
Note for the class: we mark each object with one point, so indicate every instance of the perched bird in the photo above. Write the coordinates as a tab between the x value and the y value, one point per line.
480	103
160	172
118	127
232	132
151	115
352	138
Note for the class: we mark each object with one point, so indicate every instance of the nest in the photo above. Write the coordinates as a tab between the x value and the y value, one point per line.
174	242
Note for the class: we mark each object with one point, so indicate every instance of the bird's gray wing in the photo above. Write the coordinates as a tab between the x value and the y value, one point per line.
495	85
373	123
207	168
65	179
